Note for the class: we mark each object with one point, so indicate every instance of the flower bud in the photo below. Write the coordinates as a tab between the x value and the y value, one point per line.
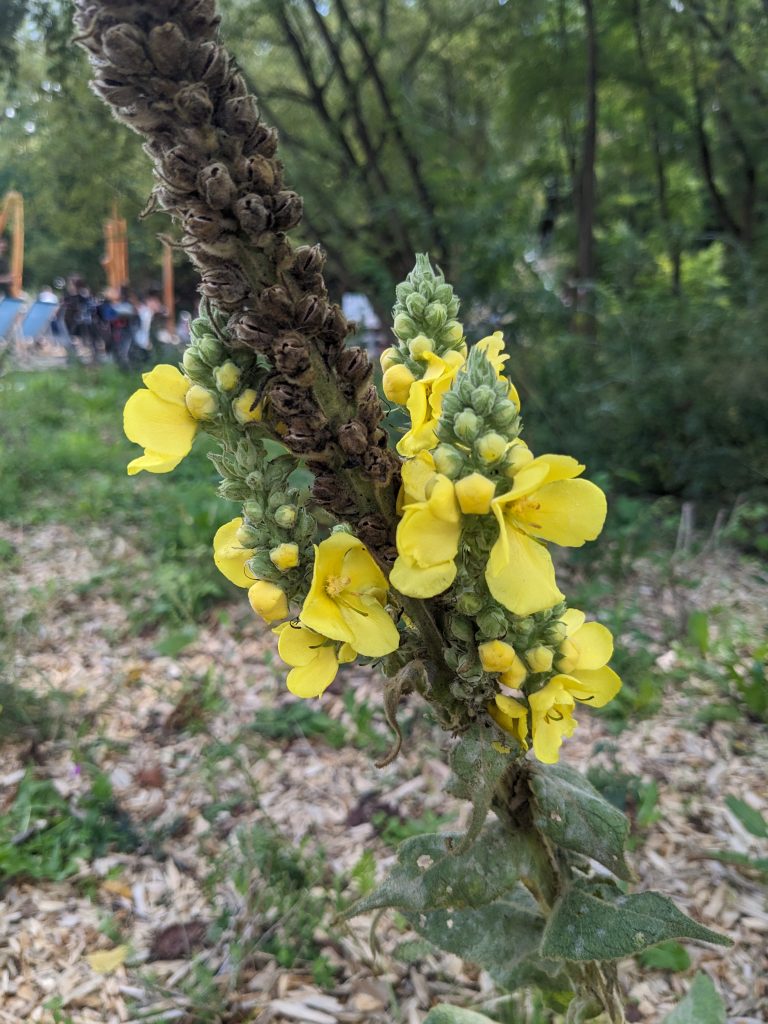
227	375
403	290
404	327
435	316
491	446
276	499
515	675
504	413
416	304
539	659
469	603
474	494
556	632
201	403
492	622
517	456
209	349
285	556
451	332
420	345
397	383
448	460
285	516
496	656
247	537
268	601
467	425
567	657
389	357
483	399
247	408
194	366
461	627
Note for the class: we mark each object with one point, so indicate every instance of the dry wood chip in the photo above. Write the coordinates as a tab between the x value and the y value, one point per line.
301	1011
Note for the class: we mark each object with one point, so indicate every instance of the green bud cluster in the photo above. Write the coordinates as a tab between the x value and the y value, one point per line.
424	316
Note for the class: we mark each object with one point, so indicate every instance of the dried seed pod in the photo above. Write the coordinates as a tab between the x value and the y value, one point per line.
180	168
249	330
305	441
256	172
235	86
287	209
169	49
291	355
292	403
217	186
353	437
124	46
262	139
252	214
310	312
239	116
200	222
145	117
224	283
354	366
369	409
336	324
119	92
276	304
210	64
379	465
374	532
194	105
308	259
200	18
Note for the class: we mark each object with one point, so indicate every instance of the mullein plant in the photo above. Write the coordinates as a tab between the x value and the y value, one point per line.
430	559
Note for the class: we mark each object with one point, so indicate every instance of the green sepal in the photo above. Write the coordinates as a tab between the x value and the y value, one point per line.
570	812
430	875
477	769
584	927
702	1004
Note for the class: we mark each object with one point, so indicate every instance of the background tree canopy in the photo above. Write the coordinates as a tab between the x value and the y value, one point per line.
592	177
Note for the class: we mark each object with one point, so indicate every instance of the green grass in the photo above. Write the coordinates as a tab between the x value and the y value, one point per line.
64	460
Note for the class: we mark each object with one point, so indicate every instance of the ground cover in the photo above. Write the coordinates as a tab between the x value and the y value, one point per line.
178	834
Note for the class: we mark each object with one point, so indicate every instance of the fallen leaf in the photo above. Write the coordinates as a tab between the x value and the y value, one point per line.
108	960
177	940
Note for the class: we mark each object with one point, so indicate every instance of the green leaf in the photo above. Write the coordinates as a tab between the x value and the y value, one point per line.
477	768
173	643
702	1005
585	927
571	812
444	1014
667	956
429	875
752	820
698	630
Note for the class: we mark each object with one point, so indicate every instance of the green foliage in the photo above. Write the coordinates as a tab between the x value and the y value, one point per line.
667	956
477	768
444	1014
702	1004
752	820
395	829
25	714
45	837
296	720
573	814
586	926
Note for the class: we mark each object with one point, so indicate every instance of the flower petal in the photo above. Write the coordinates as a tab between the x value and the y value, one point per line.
168	383
417	472
560	467
229	554
154	462
567	512
312	679
573	619
594	687
421	581
158	425
594	643
373	633
520	574
298	645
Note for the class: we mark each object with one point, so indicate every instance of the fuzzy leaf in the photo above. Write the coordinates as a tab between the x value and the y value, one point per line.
702	1005
585	927
571	812
444	1014
430	876
477	768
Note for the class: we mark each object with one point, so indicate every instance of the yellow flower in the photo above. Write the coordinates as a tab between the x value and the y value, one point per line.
396	383
545	503
315	658
425	400
474	494
428	533
227	376
419	346
491	446
388	358
540	659
268	601
511	716
347	595
552	707
229	554
588	648
515	675
157	418
285	556
497	656
247	408
493	347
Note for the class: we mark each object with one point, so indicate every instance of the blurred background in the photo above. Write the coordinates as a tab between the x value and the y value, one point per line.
593	179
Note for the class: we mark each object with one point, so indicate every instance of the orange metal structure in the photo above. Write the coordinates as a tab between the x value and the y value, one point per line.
12	212
116	255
